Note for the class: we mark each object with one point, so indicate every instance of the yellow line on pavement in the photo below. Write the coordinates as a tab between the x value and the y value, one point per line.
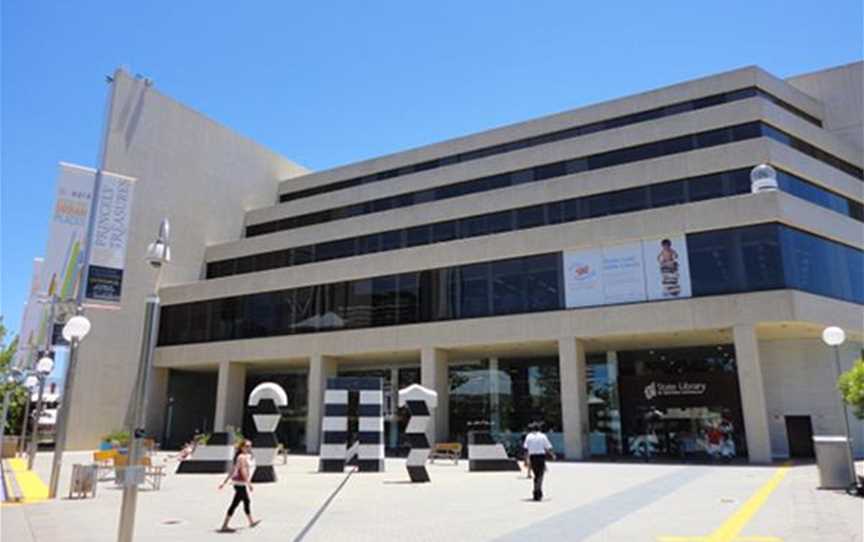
732	527
33	489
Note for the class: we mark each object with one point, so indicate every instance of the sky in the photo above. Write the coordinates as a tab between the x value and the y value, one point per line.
329	83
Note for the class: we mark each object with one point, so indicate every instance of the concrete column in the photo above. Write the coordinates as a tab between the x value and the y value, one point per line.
230	388
574	397
495	398
320	368
434	375
157	402
750	383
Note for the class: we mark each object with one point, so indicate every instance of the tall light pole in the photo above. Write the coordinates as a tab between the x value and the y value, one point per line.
158	254
29	383
43	368
74	331
834	336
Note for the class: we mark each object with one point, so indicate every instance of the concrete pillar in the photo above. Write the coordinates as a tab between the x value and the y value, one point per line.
434	375
157	402
574	397
320	368
751	385
230	390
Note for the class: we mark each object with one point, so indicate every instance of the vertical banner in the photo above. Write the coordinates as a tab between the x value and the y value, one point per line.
68	232
110	237
28	332
667	268
627	273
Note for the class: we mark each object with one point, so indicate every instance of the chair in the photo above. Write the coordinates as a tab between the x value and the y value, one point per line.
104	463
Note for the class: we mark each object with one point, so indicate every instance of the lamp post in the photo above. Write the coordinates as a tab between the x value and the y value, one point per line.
29	383
43	368
834	336
158	254
74	331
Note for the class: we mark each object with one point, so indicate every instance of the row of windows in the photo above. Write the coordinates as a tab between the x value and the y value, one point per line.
760	257
637	153
609	203
617	122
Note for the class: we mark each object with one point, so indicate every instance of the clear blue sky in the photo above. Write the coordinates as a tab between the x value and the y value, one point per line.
331	83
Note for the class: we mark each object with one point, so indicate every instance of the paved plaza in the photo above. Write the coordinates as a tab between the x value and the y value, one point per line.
584	501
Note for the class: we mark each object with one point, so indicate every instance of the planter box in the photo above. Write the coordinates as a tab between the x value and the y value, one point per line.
10	446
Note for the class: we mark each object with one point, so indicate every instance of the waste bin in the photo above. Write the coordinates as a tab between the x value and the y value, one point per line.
835	465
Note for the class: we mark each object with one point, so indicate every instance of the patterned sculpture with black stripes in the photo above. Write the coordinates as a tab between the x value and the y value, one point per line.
370	424
266	399
420	402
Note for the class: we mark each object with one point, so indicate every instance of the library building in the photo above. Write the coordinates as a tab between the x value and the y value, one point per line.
650	276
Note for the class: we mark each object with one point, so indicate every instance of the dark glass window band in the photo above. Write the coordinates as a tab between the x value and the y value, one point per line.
617	122
734	260
703	187
655	149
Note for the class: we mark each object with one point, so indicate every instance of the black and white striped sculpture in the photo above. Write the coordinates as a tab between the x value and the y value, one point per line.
485	454
217	456
370	424
419	401
266	399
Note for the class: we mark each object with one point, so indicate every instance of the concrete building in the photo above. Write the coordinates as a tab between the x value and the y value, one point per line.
606	269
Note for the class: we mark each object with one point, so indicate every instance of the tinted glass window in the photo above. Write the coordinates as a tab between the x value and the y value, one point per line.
713	266
664	194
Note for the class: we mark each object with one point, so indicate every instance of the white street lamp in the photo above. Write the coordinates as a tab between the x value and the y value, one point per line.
76	328
834	336
74	331
158	254
44	366
763	178
30	382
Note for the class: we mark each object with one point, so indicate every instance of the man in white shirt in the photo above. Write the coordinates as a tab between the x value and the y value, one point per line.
537	447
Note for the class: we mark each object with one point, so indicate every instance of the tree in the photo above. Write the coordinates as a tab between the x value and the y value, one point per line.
18	395
851	386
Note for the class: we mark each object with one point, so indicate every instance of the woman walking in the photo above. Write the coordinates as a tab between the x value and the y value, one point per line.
241	478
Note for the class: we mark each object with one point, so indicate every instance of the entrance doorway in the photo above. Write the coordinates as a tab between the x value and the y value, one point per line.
799	431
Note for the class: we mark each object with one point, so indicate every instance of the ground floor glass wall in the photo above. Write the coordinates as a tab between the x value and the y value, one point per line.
676	403
508	393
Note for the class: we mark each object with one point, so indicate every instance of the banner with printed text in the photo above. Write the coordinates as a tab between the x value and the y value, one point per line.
627	273
110	237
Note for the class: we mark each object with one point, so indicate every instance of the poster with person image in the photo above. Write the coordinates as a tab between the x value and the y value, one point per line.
667	268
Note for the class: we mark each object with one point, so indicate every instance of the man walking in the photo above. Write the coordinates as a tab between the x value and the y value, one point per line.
537	447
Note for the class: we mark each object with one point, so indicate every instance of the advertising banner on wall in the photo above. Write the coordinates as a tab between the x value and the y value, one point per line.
627	273
110	237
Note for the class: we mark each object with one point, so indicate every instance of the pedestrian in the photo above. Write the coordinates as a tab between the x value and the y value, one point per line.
241	478
537	448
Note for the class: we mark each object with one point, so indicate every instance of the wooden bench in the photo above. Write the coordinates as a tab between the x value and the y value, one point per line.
446	450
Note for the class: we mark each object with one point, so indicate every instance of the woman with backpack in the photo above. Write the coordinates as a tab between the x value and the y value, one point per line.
241	478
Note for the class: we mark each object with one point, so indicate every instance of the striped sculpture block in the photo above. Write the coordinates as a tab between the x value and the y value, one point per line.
266	399
370	424
420	401
484	454
217	456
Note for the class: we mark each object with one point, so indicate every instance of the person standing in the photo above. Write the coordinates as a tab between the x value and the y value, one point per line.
241	478
537	448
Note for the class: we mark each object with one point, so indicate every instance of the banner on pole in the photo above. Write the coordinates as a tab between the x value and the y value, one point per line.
28	332
104	282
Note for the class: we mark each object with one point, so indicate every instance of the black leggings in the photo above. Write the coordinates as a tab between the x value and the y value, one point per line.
240	495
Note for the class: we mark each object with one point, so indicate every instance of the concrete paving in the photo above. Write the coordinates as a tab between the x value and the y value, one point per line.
584	501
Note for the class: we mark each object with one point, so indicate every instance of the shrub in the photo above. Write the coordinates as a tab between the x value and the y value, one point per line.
851	386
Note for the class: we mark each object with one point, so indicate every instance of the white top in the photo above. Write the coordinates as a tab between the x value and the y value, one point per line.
537	443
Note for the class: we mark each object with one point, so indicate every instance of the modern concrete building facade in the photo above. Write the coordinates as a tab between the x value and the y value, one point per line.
606	269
